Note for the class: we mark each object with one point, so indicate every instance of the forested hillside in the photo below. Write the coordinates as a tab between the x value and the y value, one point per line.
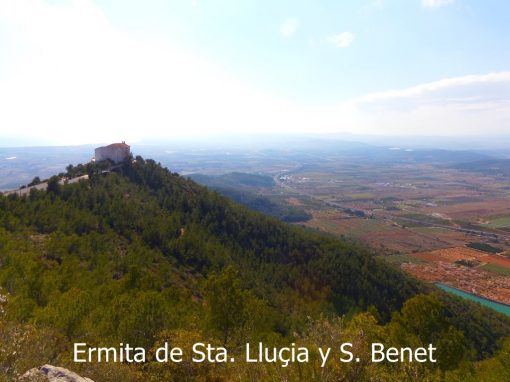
143	255
241	188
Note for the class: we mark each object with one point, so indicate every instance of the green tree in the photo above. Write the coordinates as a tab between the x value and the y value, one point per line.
226	302
54	185
423	321
34	181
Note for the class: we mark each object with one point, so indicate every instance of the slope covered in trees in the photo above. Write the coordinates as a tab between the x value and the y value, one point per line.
144	255
240	188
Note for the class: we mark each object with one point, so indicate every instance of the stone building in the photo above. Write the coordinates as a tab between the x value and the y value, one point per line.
116	152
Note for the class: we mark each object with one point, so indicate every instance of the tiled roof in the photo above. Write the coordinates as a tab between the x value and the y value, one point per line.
118	145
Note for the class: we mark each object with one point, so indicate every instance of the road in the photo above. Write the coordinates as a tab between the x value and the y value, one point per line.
43	186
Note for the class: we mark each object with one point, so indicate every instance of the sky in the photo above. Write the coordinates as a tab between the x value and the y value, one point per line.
84	71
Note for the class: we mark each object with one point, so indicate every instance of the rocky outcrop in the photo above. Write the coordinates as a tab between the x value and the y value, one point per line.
3	300
52	374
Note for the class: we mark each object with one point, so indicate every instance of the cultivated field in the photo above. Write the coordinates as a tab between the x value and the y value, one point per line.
421	216
463	253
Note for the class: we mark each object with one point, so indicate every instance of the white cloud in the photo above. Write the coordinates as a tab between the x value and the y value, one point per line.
435	3
342	40
289	27
467	105
480	86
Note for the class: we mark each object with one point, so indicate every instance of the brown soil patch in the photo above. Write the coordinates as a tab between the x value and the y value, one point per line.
453	254
294	202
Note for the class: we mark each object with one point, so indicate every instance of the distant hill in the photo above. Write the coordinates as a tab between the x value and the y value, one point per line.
242	188
432	156
488	167
234	180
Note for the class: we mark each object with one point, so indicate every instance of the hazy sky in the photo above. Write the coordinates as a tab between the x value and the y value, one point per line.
96	71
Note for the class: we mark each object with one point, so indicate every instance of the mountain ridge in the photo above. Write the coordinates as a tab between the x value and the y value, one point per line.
128	255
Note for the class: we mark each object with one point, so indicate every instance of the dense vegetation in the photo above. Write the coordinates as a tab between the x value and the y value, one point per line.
485	247
234	180
144	255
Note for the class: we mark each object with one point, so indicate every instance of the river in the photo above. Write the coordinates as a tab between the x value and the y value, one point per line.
501	308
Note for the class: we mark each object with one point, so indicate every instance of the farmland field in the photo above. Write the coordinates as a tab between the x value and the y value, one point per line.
464	253
496	269
418	215
499	222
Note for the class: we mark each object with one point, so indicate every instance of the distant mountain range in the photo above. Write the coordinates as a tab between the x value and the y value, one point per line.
20	165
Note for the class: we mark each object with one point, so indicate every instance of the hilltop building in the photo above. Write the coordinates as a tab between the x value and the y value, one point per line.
116	152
